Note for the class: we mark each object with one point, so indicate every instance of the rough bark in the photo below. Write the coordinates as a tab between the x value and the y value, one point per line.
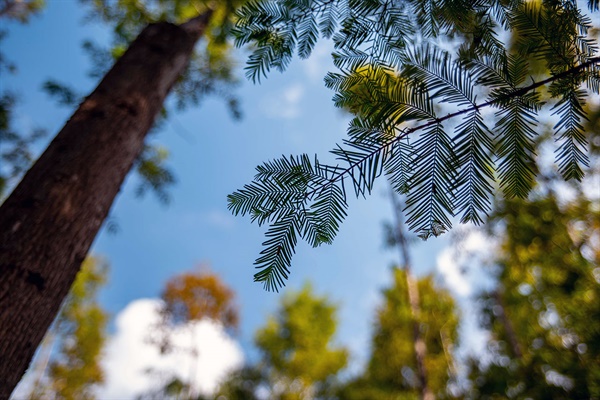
414	302
49	222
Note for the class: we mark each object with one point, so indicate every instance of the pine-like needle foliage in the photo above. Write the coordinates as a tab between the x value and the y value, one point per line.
418	120
298	199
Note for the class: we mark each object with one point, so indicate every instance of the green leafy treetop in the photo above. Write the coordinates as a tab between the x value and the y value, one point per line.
297	354
544	315
444	127
392	372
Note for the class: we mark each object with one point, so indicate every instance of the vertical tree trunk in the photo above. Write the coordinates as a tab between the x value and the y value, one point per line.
508	327
413	299
50	220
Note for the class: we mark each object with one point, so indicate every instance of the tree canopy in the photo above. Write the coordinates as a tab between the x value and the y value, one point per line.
391	371
543	315
187	298
298	355
451	95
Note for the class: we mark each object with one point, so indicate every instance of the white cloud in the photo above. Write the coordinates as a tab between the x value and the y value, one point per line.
128	354
462	265
286	104
451	271
216	218
472	250
220	219
320	61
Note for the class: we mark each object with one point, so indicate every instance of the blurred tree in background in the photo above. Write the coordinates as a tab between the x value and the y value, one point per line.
298	355
189	298
544	315
73	370
20	10
196	295
391	372
243	384
298	360
15	153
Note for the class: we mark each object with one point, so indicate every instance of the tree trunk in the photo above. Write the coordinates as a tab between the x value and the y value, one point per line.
49	222
508	327
419	344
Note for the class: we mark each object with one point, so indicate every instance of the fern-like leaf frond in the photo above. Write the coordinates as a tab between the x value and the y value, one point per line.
571	154
474	149
429	203
396	76
276	257
516	130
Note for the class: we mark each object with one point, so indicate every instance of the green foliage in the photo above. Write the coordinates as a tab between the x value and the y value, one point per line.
80	331
211	69
20	10
392	371
313	210
297	354
548	293
418	117
241	385
15	148
153	173
82	326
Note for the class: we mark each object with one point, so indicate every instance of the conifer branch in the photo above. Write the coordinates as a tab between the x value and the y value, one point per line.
513	94
442	175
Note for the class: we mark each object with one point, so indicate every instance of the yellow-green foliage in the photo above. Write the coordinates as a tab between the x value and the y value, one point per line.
296	346
81	331
393	354
392	368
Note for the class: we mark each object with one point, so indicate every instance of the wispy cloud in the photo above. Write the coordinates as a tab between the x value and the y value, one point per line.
319	62
462	266
286	104
215	218
220	219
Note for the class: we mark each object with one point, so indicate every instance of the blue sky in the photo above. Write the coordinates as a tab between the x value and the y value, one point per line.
212	155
